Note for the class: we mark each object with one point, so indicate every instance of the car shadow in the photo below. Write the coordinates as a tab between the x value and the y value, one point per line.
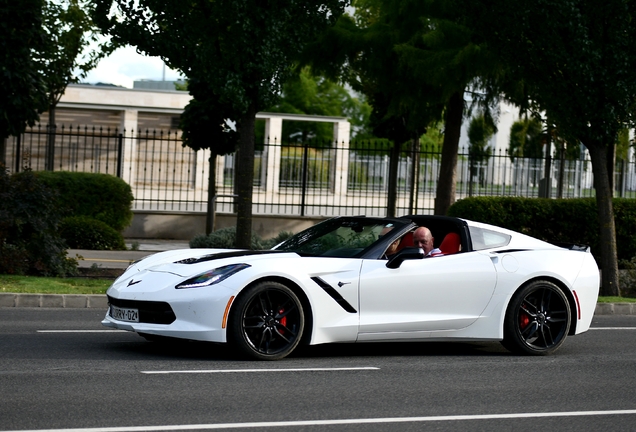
175	349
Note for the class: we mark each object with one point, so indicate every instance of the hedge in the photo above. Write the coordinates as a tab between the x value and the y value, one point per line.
554	220
100	196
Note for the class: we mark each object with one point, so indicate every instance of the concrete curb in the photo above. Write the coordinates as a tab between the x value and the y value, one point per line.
69	301
99	301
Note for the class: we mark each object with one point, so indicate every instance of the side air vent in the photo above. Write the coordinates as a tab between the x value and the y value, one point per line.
334	294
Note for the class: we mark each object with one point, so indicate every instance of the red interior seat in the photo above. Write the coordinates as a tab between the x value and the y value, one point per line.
407	241
451	244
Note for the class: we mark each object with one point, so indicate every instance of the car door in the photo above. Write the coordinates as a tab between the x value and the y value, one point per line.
431	294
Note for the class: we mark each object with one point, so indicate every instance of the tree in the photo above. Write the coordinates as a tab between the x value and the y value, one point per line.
243	49
480	131
447	55
204	123
577	59
71	48
360	51
526	139
23	96
307	93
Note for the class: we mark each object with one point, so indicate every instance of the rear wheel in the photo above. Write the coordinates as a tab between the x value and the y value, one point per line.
266	321
537	320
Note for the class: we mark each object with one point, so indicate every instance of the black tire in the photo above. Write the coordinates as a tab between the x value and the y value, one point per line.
266	321
537	320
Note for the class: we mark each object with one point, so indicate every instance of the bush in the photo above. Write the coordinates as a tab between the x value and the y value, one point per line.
82	232
99	196
555	221
225	238
30	242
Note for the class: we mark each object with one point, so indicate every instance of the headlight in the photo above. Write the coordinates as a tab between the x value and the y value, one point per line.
212	277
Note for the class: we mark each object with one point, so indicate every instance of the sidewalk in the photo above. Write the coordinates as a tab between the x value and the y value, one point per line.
111	264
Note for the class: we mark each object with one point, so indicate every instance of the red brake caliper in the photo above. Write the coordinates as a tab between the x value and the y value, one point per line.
282	321
524	320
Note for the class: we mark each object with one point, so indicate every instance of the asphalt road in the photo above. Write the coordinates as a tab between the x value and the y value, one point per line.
59	369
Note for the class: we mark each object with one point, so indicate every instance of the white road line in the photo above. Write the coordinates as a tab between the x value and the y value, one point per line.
260	370
82	331
612	328
254	425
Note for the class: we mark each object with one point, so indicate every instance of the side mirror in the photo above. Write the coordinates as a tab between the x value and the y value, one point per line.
408	253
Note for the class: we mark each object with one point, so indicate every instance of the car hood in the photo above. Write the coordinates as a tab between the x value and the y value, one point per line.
190	262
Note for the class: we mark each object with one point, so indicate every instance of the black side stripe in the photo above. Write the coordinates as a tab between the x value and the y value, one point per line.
334	295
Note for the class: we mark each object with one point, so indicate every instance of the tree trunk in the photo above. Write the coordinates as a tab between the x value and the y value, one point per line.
209	221
446	185
394	158
245	179
607	229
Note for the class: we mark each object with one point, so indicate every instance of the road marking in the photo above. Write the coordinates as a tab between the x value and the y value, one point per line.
82	331
107	260
260	370
254	425
612	328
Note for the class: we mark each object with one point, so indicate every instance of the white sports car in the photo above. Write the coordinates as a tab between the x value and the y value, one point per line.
333	283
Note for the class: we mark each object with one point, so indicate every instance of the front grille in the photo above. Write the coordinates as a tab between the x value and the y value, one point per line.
150	312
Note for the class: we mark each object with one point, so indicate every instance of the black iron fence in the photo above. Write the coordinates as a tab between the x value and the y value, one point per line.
297	179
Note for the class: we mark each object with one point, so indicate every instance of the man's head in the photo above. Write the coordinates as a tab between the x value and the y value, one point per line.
423	238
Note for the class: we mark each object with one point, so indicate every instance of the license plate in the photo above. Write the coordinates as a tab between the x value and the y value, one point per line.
124	314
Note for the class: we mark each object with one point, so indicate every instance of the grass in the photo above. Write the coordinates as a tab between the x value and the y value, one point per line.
45	285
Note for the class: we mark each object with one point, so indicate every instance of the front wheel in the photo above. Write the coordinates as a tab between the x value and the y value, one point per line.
266	321
537	320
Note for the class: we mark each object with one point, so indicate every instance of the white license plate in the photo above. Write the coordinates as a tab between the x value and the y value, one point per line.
124	314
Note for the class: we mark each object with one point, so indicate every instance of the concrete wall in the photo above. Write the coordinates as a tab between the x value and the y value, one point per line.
186	225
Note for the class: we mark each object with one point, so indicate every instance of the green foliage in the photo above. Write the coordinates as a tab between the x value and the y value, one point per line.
65	56
100	196
24	95
526	139
479	133
556	221
225	238
306	93
30	242
204	120
83	232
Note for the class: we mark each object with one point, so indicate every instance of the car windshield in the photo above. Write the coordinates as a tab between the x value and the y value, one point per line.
340	237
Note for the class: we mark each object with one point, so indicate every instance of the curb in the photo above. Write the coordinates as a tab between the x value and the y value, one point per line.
69	301
99	301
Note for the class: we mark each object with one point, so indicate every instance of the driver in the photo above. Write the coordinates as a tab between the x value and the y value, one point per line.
423	238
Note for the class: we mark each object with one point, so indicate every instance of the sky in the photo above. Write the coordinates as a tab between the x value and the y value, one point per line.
125	65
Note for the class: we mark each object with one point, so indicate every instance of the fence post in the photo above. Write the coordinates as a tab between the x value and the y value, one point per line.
303	191
341	132
18	156
120	154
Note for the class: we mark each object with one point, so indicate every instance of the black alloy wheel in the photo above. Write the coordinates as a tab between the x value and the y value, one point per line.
266	321
537	320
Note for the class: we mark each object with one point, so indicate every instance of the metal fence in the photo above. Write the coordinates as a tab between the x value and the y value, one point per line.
297	179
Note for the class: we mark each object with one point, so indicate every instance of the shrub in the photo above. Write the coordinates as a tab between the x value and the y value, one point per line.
225	238
100	196
82	232
30	242
282	236
555	221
